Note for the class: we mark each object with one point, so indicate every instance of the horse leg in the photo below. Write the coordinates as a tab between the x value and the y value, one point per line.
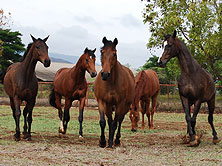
66	118
186	108
154	102
112	128
143	111
25	112
118	135
147	109
102	122
81	109
211	107
17	114
193	122
60	113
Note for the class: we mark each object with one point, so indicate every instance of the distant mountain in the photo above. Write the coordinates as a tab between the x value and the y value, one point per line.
56	57
62	58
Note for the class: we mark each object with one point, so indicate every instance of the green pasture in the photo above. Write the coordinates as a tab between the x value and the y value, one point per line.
161	146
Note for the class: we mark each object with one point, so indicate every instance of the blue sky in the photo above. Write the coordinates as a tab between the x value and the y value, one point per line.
74	25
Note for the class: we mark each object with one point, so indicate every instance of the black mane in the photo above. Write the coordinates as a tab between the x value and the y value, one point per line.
26	52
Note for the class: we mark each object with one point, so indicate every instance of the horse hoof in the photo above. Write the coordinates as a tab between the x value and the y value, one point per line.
133	130
142	127
186	139
29	138
196	142
151	128
81	139
215	141
117	142
102	143
62	131
17	137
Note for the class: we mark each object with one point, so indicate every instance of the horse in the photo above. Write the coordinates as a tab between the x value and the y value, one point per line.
20	83
114	91
195	85
71	83
147	86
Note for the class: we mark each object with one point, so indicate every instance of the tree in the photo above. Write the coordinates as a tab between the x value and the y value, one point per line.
4	20
199	24
12	47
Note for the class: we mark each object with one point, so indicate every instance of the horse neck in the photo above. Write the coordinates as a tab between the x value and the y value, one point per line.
138	93
28	65
78	71
115	73
187	63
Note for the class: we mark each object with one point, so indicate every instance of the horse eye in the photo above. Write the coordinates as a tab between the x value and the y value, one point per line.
114	54
37	47
87	60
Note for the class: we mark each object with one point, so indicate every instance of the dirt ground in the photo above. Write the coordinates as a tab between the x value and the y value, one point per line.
161	146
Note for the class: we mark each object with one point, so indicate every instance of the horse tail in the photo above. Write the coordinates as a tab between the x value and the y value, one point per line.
2	76
52	99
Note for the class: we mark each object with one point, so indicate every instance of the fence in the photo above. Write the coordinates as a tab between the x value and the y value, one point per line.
168	98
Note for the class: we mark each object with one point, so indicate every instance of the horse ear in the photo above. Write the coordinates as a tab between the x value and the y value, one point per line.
33	39
94	50
104	40
86	50
174	33
46	39
115	41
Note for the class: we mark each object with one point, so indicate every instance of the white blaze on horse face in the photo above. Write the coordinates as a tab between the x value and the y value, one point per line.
164	45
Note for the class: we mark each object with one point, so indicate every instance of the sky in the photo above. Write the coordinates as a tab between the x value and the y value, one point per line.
74	25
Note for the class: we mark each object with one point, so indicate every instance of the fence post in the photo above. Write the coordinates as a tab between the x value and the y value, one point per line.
168	96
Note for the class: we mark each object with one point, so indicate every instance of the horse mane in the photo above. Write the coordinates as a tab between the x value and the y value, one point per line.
26	52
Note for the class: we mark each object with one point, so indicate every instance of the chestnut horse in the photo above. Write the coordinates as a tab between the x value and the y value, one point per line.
196	85
71	83
114	90
147	86
20	83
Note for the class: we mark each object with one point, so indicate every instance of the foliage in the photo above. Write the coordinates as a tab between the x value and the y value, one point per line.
12	47
199	24
4	20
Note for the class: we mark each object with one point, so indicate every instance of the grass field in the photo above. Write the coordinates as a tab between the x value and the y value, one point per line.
161	146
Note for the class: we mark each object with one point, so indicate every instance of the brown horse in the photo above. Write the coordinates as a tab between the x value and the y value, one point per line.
114	90
71	83
20	83
147	86
195	85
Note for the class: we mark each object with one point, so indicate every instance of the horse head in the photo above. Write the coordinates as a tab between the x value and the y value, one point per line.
134	117
89	61
40	51
108	57
170	49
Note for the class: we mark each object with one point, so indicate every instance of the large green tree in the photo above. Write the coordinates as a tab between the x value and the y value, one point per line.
199	24
12	47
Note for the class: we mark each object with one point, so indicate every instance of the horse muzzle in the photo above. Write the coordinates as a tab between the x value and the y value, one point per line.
47	63
161	64
105	75
93	74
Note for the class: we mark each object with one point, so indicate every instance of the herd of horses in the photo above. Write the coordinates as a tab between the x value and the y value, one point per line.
115	88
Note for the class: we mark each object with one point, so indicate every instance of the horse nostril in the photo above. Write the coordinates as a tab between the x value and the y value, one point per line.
47	63
105	75
93	74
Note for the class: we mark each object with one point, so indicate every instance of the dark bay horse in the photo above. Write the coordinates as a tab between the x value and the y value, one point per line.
114	90
146	87
71	83
195	85
20	83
